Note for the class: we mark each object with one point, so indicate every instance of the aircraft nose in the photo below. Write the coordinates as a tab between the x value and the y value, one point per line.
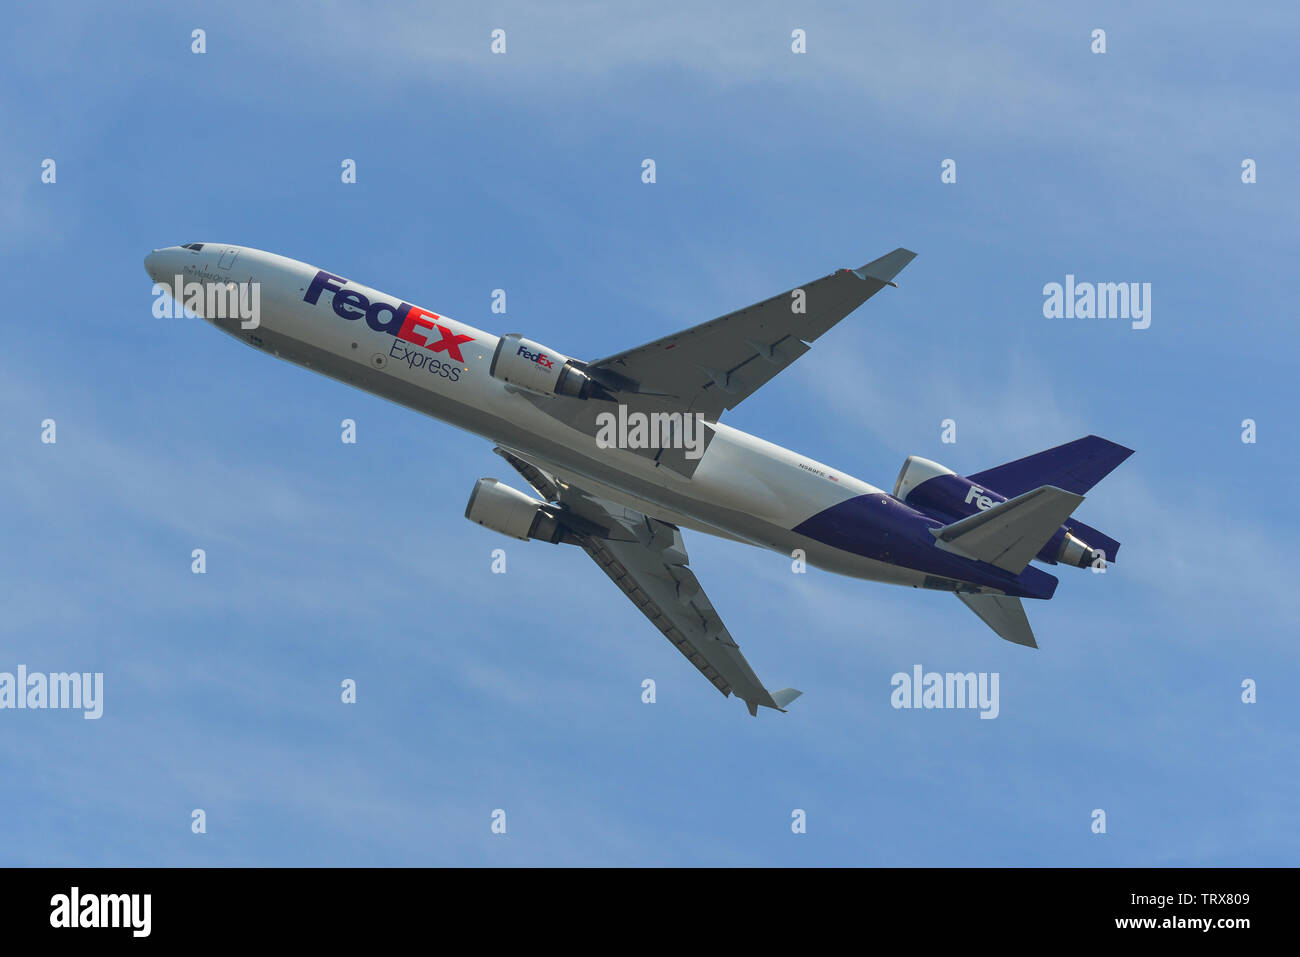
153	264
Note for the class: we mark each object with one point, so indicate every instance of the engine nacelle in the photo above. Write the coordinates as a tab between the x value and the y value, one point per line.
915	471
511	512
941	493
532	366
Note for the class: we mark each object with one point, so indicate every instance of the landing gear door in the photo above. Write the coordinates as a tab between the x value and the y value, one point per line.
228	254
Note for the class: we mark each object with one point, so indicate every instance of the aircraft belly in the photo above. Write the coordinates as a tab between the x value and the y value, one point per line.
744	489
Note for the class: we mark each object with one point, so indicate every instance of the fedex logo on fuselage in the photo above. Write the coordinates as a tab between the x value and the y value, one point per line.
976	495
539	357
405	321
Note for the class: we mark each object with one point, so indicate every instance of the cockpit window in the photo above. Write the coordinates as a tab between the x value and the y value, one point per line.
194	246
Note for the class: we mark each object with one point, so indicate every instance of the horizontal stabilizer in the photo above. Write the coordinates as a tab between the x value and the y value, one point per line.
1010	534
1004	614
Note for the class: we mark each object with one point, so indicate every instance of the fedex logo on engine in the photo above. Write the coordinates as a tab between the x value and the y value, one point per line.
404	321
539	357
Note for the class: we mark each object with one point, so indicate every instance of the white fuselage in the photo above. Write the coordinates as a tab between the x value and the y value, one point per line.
743	487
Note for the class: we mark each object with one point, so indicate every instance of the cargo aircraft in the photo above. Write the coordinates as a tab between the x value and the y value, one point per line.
622	453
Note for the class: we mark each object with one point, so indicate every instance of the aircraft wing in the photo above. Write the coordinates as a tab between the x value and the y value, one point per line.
647	559
714	366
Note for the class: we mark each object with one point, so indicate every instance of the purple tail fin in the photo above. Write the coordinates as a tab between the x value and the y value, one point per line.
1075	466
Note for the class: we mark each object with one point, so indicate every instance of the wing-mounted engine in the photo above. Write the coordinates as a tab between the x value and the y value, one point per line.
517	515
533	367
658	426
939	492
511	512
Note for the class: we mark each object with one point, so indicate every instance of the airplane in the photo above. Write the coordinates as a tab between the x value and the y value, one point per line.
623	492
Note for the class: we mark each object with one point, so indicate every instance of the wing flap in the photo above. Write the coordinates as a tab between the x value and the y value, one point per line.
620	575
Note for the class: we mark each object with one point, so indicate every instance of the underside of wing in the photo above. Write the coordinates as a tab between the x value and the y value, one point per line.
712	367
671	597
647	559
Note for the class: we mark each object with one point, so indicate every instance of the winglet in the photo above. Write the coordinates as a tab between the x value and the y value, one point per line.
887	266
785	696
777	699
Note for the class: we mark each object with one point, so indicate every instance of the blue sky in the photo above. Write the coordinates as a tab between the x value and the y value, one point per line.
522	691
